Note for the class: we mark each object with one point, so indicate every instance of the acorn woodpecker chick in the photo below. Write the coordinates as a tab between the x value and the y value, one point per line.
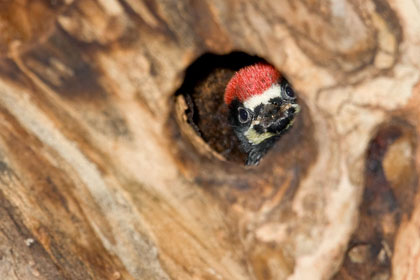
262	107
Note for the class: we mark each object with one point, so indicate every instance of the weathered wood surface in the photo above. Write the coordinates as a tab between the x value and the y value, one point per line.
98	179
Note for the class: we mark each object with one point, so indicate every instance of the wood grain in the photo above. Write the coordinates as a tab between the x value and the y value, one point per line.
102	176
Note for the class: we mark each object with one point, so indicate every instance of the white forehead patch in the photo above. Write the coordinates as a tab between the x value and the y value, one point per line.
273	92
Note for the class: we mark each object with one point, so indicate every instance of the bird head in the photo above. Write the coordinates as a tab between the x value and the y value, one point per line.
262	106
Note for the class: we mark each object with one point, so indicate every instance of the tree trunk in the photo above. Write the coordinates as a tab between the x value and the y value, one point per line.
102	175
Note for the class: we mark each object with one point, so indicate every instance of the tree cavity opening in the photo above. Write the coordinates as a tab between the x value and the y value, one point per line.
203	94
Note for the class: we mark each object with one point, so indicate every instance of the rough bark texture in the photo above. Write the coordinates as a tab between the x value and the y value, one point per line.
103	177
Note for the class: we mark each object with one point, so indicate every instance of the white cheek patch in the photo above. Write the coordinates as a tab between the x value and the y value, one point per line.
273	92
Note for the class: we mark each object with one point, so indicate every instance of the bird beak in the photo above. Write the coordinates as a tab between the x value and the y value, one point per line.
277	118
272	119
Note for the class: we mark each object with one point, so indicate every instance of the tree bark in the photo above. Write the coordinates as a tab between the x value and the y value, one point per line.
102	175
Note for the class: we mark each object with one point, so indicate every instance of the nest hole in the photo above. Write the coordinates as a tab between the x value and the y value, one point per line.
203	92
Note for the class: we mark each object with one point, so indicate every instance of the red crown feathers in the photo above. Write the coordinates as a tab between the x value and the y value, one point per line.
251	80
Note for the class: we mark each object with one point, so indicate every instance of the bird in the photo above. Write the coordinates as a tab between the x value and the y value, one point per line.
262	106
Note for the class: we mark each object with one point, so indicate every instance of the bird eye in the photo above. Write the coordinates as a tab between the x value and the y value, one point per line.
243	115
288	93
